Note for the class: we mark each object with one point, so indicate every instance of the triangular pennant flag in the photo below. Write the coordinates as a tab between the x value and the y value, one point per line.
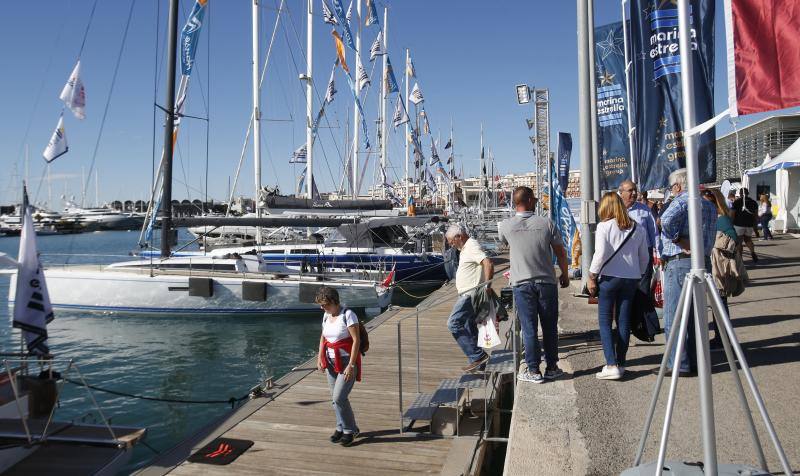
416	95
449	144
400	114
434	153
426	127
73	94
349	16
377	47
450	159
363	78
58	142
372	14
347	34
299	156
340	50
391	82
410	70
331	90
327	14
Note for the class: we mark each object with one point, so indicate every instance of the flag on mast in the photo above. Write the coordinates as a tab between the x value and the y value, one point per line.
299	156
400	114
410	70
372	13
363	78
73	94
449	144
331	90
349	16
340	50
377	47
327	14
32	307
391	81
58	142
416	95
345	23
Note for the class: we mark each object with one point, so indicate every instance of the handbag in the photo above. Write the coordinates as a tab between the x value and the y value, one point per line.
488	336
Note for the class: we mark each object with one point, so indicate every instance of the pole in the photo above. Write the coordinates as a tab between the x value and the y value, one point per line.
309	101
584	123
628	66
169	110
696	242
405	139
97	187
384	149
593	105
356	112
256	118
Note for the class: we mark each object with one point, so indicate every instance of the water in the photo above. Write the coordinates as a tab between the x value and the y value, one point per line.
193	358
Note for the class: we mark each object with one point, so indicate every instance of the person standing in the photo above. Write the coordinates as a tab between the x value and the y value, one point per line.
474	267
339	357
744	220
533	240
765	215
620	259
675	257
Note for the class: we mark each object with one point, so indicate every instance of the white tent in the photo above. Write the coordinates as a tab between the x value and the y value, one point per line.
782	175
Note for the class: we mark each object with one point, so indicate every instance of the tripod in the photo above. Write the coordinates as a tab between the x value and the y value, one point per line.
696	285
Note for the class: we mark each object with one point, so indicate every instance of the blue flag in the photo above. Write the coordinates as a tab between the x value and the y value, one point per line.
612	106
341	17
564	153
562	216
189	36
360	110
391	81
656	89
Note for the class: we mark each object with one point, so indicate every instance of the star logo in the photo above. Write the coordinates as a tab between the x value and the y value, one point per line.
662	122
607	79
610	45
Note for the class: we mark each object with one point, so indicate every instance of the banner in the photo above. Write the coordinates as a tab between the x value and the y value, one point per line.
562	216
656	93
612	103
564	153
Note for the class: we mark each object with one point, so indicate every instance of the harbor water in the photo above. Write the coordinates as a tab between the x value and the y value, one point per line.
181	358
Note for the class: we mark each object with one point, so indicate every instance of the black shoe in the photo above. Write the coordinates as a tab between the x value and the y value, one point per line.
336	436
347	439
668	373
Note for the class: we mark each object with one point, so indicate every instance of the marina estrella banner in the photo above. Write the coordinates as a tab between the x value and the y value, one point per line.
564	153
656	85
612	106
562	215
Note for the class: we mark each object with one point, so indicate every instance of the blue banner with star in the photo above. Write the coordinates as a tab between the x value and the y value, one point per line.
656	89
612	106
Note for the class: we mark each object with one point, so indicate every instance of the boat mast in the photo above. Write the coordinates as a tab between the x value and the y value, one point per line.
309	101
384	152
405	139
169	110
481	189
256	118
356	112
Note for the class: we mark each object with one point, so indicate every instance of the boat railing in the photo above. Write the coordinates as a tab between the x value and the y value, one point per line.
20	366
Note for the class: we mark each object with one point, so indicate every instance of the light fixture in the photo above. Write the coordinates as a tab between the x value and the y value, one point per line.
523	94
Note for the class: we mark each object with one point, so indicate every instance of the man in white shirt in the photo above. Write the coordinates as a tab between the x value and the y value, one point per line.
474	267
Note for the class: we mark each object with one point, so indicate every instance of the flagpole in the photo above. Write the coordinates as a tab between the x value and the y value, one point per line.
310	101
169	110
405	73
628	66
584	124
384	149
356	111
593	104
256	118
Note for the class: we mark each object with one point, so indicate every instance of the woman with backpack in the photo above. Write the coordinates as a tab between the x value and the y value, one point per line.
620	259
340	358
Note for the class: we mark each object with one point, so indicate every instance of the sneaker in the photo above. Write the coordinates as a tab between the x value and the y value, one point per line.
609	373
552	374
477	364
527	376
336	436
347	439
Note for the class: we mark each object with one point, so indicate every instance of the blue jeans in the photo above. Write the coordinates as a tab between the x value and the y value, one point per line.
461	324
340	393
615	294
535	302
674	273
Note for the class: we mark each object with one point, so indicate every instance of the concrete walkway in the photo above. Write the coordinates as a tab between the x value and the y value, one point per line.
581	425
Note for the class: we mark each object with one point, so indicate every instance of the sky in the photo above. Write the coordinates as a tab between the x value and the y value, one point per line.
468	54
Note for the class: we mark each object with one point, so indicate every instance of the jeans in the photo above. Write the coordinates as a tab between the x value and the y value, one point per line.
535	302
674	273
764	220
340	393
615	294
461	324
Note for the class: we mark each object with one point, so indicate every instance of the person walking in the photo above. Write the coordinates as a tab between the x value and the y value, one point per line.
620	259
765	215
474	267
744	220
532	241
675	257
340	358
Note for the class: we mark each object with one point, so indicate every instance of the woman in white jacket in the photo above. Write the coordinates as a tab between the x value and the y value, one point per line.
620	259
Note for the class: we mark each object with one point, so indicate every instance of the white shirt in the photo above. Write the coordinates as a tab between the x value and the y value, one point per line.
470	271
762	208
334	328
630	262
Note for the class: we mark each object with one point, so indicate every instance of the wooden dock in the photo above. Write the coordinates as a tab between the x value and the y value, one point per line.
290	428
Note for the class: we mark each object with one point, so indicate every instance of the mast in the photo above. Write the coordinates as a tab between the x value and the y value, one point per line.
356	112
384	152
256	118
309	102
405	73
169	110
452	191
481	186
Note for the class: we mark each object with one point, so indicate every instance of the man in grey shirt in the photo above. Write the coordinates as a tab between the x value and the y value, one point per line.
531	239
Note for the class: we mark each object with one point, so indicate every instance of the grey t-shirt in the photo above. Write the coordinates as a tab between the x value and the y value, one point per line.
530	239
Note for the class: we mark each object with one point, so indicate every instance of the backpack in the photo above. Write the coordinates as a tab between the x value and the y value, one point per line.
362	333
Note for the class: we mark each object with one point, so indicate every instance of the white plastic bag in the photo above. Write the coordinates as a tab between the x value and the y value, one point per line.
487	331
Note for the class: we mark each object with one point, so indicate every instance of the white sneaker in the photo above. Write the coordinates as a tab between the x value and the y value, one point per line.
609	373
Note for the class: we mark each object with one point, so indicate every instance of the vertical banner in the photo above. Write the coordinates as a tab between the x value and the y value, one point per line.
564	154
612	104
657	89
562	215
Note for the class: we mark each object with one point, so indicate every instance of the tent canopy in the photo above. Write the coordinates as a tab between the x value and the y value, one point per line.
786	159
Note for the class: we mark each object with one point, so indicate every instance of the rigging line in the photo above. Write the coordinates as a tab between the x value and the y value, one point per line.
156	64
208	107
108	101
88	25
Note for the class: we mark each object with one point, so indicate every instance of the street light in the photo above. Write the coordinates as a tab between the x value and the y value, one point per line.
523	94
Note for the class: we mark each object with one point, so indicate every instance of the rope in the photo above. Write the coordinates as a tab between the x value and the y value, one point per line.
413	296
232	401
88	25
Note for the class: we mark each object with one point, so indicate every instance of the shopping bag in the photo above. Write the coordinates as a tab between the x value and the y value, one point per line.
487	334
658	291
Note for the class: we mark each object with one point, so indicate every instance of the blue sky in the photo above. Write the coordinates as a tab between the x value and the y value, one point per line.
468	55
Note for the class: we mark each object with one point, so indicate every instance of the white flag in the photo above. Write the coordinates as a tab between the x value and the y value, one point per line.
58	143
327	15
377	47
73	94
331	90
32	308
400	115
363	78
349	15
416	95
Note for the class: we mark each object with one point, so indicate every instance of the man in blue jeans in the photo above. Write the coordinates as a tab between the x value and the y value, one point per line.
531	239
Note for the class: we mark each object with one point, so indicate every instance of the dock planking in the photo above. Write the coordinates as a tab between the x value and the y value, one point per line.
290	432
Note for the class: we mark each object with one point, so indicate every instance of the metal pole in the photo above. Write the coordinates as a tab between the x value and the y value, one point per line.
593	105
356	112
584	121
384	149
400	376
696	241
169	127
419	388
628	66
309	101
256	118
405	139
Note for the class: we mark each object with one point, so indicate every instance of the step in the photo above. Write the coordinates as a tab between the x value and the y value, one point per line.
501	361
448	393
422	408
472	381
